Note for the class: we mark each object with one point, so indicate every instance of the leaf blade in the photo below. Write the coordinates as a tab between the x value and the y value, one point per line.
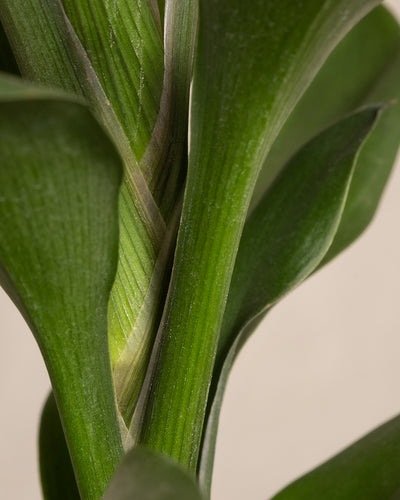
367	469
283	242
58	220
230	134
365	189
343	84
125	49
294	225
148	475
374	165
55	57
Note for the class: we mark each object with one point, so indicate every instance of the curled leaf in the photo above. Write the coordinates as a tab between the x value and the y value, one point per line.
58	251
368	469
284	240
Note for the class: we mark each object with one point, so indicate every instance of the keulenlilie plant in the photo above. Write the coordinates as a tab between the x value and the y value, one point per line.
169	171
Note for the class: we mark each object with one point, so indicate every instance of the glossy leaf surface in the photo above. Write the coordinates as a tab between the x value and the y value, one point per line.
369	469
254	61
58	251
146	475
285	239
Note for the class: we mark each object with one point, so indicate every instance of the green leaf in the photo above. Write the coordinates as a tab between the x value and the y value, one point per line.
364	68
342	85
146	475
283	242
124	47
376	38
43	55
56	56
133	323
58	250
56	472
374	164
168	148
369	469
254	61
294	225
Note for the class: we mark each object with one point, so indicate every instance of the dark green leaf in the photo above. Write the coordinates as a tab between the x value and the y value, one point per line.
369	470
284	240
124	47
54	56
365	67
374	164
133	323
146	475
56	472
166	154
59	183
293	226
254	61
341	86
7	59
218	385
39	39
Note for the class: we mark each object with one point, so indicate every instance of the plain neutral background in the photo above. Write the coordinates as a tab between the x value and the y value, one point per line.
322	370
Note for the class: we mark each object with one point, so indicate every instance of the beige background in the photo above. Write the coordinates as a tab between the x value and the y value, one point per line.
322	370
